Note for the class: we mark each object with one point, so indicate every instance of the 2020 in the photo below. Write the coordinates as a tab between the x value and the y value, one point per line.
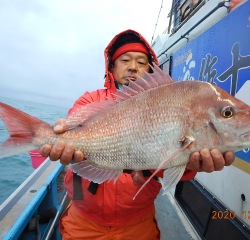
223	215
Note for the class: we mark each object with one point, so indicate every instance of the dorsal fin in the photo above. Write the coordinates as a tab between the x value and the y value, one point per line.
150	79
166	77
129	90
142	84
85	112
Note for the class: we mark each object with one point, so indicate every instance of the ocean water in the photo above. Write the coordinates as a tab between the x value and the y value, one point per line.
15	169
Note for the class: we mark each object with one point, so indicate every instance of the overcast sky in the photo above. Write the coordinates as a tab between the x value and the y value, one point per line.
51	51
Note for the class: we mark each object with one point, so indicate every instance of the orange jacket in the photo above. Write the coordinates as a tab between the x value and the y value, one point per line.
113	204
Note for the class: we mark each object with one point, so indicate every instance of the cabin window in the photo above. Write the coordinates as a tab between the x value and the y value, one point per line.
187	7
166	66
182	10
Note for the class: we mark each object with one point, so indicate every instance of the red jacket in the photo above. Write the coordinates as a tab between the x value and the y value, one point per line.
113	204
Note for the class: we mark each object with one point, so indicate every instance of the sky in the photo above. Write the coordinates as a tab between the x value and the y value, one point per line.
52	51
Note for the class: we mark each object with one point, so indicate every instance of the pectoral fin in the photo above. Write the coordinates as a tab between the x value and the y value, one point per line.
94	174
186	143
171	177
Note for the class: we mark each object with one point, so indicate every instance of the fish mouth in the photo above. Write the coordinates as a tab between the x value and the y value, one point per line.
245	135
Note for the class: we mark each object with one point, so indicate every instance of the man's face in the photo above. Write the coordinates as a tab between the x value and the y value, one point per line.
128	65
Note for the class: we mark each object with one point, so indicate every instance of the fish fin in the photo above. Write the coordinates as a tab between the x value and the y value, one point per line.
95	174
146	82
85	112
186	143
166	77
142	84
148	77
171	177
21	127
10	147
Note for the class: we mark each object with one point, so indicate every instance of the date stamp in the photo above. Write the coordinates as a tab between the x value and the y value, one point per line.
227	214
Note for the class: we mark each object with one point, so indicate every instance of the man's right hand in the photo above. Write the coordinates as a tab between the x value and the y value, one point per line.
61	150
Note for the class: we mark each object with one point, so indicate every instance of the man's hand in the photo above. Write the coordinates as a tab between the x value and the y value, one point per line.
209	161
138	178
65	152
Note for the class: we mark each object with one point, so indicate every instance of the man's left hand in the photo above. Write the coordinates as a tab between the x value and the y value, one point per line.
209	161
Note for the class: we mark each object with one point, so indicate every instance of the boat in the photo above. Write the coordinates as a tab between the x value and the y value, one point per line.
209	41
205	41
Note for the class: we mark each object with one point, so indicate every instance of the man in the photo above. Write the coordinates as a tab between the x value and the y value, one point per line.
108	211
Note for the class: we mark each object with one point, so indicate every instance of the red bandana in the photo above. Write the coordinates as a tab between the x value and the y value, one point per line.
131	47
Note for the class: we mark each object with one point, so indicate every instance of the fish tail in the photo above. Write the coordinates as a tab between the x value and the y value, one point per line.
22	128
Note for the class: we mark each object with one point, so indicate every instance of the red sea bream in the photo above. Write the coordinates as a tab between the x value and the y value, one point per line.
154	123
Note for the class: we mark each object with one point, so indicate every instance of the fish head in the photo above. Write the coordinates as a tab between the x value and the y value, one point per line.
226	120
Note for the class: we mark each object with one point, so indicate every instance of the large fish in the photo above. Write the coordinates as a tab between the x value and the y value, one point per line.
154	123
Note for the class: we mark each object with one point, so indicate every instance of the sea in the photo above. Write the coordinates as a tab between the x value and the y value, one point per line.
15	169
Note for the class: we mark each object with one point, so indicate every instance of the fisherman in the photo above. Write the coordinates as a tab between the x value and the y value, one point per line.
108	211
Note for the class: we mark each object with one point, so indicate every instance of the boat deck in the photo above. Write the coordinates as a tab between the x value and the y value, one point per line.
172	222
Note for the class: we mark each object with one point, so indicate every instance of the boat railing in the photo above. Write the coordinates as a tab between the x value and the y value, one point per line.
42	192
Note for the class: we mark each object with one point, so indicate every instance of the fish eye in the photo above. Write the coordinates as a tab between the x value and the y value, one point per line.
227	112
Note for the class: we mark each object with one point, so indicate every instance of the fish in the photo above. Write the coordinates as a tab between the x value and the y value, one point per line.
153	123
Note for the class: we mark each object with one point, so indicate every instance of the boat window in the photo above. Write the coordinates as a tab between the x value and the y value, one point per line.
182	9
166	66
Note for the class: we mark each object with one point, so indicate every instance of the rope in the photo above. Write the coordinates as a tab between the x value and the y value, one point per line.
157	21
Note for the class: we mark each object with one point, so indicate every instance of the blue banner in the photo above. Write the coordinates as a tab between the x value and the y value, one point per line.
220	55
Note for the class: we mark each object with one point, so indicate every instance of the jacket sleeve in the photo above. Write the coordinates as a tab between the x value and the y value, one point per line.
188	175
86	98
89	97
